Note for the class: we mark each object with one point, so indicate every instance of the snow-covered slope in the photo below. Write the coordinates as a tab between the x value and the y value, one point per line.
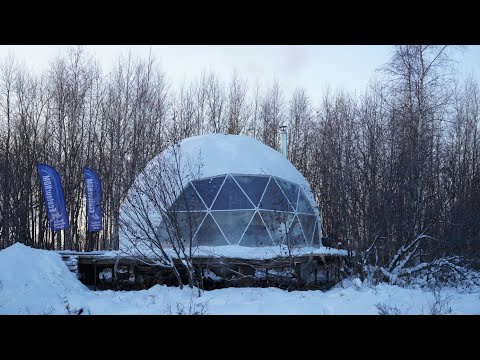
31	280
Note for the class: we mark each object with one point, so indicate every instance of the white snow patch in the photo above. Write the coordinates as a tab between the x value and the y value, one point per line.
235	154
241	252
357	282
38	282
34	280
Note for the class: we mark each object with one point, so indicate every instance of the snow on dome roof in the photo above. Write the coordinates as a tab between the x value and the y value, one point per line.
224	154
236	154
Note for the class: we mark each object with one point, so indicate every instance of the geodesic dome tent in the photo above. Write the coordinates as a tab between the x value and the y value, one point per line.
246	194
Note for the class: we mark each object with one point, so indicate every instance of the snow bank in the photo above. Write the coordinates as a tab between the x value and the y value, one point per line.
34	281
261	253
349	299
240	252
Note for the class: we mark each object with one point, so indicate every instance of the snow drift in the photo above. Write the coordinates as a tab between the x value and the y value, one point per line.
31	280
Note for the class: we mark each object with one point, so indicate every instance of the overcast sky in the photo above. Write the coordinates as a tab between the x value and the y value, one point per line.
315	67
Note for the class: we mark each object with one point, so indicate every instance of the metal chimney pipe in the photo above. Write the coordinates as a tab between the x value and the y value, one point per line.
283	129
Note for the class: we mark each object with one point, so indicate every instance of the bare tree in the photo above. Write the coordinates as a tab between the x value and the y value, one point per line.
253	125
7	72
215	100
300	130
157	221
271	115
237	107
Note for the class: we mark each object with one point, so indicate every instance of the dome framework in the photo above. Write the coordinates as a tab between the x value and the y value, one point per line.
247	210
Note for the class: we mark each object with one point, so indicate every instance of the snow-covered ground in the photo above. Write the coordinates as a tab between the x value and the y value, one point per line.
38	282
230	251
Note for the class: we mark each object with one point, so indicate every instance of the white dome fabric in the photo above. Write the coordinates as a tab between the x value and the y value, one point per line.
238	191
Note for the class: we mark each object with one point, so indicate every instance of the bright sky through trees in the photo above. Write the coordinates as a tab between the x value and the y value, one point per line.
315	67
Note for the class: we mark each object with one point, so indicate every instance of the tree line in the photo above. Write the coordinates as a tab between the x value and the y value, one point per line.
395	163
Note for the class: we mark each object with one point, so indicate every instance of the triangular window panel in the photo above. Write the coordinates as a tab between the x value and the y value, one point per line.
231	197
188	223
209	234
161	232
291	190
273	199
308	226
233	223
304	205
277	223
316	238
208	188
188	201
295	236
254	186
256	234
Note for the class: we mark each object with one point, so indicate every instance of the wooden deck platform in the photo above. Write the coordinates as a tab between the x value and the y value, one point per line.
88	266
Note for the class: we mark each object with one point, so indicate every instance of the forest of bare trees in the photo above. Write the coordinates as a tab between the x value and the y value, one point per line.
395	165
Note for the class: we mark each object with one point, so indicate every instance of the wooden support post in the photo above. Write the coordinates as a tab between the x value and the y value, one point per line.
114	271
298	273
94	261
131	273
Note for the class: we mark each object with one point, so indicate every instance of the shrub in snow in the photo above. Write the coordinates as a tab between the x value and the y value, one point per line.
405	268
385	309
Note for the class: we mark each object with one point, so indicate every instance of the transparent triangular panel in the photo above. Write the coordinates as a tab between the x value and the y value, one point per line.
295	236
316	237
208	188
273	199
188	223
254	186
188	201
233	223
291	190
256	234
179	226
231	197
209	234
304	205
277	223
308	226
162	232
